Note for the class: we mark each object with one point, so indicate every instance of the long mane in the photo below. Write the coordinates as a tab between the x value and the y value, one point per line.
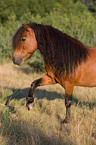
59	50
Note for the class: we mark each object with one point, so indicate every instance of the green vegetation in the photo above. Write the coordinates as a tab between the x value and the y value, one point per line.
42	125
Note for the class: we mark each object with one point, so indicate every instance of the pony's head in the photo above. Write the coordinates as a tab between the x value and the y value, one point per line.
24	43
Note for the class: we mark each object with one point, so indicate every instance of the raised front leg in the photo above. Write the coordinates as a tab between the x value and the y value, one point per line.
68	102
46	80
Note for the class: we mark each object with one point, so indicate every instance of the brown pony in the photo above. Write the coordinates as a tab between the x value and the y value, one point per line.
67	61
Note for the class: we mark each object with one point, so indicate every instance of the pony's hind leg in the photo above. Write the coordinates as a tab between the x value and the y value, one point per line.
46	80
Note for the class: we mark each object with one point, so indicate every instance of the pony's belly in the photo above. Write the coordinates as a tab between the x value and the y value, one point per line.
88	80
87	73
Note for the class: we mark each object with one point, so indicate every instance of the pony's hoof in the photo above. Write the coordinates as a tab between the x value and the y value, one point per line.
65	122
30	106
66	125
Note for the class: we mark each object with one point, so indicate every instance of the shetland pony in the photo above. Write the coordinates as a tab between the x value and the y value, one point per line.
68	61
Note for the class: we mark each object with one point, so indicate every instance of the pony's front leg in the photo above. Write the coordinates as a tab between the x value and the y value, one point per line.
46	80
30	97
68	102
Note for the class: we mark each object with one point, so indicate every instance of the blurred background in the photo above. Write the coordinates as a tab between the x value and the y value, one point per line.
74	17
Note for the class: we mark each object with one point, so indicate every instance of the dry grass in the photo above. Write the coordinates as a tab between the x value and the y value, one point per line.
42	125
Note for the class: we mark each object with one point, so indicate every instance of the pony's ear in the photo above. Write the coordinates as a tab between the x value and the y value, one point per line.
26	27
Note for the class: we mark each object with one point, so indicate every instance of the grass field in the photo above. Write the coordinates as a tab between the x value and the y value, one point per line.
42	125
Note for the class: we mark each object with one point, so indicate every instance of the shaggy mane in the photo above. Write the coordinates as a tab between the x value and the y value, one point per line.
59	50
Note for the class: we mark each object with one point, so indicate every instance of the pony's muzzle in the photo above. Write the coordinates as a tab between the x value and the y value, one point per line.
17	60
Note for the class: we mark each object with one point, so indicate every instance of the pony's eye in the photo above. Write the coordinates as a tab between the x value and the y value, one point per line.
23	39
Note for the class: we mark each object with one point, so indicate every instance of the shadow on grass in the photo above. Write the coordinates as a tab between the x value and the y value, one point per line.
40	94
78	103
37	67
21	132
